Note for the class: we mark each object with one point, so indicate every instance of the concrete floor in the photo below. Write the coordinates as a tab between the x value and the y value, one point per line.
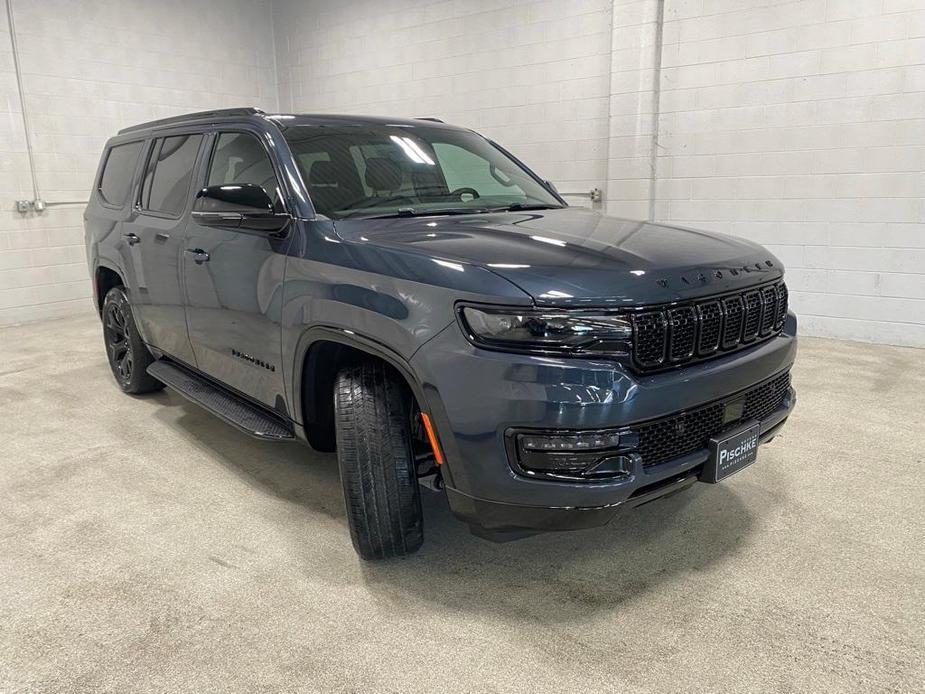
146	546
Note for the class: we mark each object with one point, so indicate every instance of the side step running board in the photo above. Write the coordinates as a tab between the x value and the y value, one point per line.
235	410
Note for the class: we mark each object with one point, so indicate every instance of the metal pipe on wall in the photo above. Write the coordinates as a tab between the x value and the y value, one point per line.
37	203
17	69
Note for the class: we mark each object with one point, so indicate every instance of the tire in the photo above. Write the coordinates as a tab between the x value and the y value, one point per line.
376	460
128	355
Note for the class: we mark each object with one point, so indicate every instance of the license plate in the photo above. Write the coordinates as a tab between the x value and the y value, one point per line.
735	450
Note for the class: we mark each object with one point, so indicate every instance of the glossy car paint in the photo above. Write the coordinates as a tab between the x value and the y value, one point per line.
578	257
234	301
390	287
155	263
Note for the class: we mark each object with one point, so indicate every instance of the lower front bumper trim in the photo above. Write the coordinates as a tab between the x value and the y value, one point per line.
500	521
500	517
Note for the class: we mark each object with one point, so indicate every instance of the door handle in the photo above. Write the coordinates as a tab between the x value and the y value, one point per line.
199	255
131	239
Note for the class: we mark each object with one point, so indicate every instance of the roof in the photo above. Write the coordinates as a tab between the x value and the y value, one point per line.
284	120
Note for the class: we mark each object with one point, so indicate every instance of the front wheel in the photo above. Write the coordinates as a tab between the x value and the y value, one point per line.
128	355
376	459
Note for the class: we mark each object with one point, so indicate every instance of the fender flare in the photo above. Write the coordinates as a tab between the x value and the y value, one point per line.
109	265
349	338
103	262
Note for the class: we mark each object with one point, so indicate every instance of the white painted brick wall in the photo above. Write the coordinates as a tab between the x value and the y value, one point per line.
633	82
801	125
90	68
533	75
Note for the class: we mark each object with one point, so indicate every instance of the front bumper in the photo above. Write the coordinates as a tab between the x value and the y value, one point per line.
475	396
495	519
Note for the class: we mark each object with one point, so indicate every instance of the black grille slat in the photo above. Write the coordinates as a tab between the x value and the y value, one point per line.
768	309
782	298
734	309
752	316
710	317
650	332
682	331
674	335
671	437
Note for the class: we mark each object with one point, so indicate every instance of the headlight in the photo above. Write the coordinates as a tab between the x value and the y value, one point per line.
569	332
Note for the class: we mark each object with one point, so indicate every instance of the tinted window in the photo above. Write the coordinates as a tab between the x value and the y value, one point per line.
117	172
170	171
466	169
378	170
240	158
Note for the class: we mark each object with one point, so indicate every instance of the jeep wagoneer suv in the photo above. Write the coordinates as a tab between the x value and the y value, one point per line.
409	294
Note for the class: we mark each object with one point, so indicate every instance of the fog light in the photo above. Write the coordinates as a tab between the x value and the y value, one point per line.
583	441
586	453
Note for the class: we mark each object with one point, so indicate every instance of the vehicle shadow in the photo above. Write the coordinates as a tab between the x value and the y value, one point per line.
547	578
567	576
289	471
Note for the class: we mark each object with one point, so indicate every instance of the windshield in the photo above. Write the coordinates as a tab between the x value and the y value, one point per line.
391	170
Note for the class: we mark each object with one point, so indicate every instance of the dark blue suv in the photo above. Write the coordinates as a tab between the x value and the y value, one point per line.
409	294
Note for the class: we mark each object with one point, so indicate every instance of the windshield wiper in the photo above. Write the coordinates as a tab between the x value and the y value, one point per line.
412	212
515	206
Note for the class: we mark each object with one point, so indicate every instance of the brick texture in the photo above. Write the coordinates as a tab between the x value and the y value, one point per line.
533	75
90	68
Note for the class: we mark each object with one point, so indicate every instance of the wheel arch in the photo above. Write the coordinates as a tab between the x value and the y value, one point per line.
320	354
105	277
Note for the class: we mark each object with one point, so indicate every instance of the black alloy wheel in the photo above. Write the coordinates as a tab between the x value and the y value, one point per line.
129	357
117	342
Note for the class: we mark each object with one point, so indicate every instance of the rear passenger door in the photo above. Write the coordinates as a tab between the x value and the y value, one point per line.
234	279
156	234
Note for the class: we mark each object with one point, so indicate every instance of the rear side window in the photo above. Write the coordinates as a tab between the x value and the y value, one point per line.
169	173
117	173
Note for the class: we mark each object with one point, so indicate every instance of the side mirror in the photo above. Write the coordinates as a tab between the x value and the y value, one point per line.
239	206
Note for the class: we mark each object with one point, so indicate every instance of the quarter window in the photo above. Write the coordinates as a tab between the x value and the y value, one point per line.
169	173
117	173
240	158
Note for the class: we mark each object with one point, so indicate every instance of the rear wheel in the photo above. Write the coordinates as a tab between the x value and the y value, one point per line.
128	356
377	465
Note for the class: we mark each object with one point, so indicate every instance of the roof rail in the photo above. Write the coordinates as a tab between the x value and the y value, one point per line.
430	118
199	115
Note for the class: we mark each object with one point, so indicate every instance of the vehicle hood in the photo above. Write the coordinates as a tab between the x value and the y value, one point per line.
576	256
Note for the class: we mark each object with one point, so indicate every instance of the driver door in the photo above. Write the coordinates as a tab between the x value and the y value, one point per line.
234	280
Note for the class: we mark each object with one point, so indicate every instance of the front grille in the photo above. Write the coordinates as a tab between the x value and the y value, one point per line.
768	309
649	331
682	331
670	336
670	437
752	316
710	316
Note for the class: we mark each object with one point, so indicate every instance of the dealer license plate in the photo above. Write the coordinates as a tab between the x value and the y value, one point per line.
731	452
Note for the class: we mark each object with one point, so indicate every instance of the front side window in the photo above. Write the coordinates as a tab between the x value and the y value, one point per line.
166	184
376	171
240	158
117	173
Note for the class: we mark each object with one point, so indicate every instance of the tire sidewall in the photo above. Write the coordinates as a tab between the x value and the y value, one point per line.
380	449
